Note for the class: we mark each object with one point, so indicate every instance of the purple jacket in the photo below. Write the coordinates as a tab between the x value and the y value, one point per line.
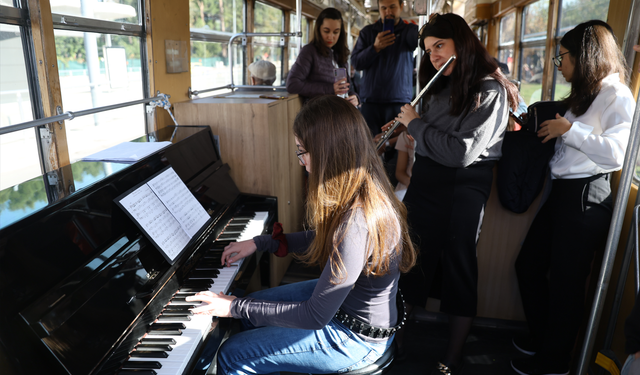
312	74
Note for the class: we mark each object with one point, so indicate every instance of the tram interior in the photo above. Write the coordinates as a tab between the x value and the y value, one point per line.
69	56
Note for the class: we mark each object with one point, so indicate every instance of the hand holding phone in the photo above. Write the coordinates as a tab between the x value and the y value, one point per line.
387	37
340	85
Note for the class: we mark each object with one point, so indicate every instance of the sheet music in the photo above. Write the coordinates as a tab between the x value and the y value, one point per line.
178	199
147	209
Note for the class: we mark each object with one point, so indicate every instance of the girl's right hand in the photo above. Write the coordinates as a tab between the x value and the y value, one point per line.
238	250
341	87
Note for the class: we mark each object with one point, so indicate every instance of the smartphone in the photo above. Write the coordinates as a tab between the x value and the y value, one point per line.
339	74
388	24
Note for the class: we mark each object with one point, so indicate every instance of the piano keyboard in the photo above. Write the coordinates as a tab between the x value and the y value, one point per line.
169	346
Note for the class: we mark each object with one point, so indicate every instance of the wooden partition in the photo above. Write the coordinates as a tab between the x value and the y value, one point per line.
256	140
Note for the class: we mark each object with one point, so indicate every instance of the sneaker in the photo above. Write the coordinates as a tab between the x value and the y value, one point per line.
538	366
525	346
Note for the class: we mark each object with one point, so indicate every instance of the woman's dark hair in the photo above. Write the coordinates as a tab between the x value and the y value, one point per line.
340	49
594	51
473	63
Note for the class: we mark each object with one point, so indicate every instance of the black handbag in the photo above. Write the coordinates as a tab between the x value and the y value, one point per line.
522	169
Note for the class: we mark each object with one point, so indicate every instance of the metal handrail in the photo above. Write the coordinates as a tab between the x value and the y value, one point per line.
613	238
192	93
69	115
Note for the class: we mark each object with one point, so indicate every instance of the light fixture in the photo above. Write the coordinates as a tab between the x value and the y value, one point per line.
405	6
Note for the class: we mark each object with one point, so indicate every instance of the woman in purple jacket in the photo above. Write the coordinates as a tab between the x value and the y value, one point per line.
313	72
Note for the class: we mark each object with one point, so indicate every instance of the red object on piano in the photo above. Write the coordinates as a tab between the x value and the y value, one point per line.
278	234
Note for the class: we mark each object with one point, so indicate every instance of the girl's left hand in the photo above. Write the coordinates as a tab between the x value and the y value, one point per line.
353	100
407	114
554	128
217	304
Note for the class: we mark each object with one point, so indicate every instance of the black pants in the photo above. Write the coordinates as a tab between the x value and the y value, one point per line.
561	242
376	115
445	208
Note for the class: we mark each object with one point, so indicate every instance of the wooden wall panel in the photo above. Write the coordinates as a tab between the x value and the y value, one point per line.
500	239
169	21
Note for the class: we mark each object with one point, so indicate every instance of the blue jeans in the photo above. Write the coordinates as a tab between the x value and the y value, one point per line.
269	350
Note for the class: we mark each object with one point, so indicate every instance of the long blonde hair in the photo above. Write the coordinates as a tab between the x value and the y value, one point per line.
347	174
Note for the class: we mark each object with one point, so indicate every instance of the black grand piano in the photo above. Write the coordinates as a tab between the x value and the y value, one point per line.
83	291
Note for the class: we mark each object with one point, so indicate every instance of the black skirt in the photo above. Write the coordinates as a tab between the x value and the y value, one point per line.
445	208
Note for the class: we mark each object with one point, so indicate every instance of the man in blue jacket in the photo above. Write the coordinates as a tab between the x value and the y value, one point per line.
386	59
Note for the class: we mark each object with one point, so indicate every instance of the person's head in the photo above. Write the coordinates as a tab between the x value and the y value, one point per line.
588	53
262	72
329	33
446	35
345	172
390	9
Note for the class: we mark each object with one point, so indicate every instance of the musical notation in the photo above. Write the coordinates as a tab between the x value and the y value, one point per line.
167	211
178	199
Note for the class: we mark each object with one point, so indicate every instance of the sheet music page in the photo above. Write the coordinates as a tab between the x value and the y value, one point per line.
180	201
147	209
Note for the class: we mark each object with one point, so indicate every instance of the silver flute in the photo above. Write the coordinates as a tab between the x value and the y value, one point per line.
415	101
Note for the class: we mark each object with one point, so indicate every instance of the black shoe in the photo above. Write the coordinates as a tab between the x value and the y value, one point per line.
539	366
443	369
525	346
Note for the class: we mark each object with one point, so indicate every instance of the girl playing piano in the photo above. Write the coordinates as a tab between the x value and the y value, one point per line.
358	235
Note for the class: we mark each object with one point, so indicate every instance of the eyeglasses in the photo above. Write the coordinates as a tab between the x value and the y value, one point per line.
431	22
558	59
299	155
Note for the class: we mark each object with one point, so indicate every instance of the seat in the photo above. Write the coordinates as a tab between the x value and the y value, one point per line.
379	367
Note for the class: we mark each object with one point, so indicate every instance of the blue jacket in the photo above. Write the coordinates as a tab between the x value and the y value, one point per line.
387	75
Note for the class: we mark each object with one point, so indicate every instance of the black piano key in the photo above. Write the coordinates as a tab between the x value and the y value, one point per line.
142	365
184	303
242	219
216	265
150	340
200	283
154	347
176	308
190	290
166	332
156	326
137	372
220	244
148	354
228	237
199	274
181	318
185	312
235	230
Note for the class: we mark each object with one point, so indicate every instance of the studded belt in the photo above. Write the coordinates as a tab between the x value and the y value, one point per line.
361	327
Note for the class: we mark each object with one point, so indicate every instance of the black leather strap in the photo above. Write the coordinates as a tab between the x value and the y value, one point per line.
358	326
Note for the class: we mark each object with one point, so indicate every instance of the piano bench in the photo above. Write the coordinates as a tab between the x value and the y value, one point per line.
379	367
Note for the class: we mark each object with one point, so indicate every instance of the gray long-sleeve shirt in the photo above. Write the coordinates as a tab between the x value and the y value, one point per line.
371	299
473	136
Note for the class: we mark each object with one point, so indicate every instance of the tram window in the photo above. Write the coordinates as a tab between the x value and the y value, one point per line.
18	150
532	52
216	15
210	65
531	68
507	39
573	12
269	19
97	70
534	21
115	10
8	3
294	49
